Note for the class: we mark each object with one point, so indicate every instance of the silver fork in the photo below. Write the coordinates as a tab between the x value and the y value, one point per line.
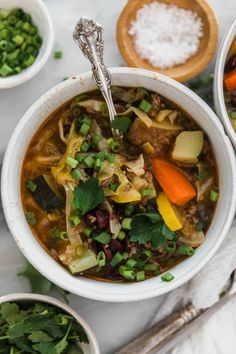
89	36
165	335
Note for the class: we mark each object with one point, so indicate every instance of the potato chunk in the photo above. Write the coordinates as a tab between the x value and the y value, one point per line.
188	146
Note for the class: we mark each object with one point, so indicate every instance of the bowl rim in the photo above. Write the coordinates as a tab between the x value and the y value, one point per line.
10	207
181	77
218	81
15	297
27	74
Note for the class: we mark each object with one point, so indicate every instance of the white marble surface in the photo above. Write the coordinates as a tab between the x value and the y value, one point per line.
114	324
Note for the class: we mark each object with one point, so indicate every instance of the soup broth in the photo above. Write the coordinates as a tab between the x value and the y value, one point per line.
119	209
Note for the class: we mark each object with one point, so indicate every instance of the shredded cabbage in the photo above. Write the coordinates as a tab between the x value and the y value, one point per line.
61	172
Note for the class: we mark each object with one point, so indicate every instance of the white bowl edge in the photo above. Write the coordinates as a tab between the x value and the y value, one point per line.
218	81
101	290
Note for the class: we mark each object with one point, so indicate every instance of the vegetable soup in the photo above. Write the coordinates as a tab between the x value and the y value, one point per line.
120	209
230	84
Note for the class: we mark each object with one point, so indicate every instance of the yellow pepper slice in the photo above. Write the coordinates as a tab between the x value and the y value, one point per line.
169	212
127	196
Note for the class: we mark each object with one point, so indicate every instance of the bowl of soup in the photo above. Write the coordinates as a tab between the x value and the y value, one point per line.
119	217
225	82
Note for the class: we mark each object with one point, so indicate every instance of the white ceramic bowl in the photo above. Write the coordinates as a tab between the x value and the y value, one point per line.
100	290
218	81
91	348
42	20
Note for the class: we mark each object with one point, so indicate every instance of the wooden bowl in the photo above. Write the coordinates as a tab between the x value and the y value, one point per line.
195	64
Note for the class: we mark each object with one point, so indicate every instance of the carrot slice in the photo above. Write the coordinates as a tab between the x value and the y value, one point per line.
174	183
230	81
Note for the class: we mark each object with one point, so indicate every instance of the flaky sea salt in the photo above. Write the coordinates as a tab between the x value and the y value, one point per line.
166	35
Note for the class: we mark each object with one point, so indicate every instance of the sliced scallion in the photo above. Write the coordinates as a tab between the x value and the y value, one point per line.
104	238
167	277
101	258
117	258
71	162
145	106
30	185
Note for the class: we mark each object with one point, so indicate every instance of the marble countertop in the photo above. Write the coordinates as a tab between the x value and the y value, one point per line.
114	324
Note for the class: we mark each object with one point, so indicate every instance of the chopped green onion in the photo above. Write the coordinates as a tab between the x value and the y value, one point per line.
110	158
121	235
5	70
146	192
131	263
185	250
95	140
101	155
148	254
29	61
127	274
86	119
170	246
113	187
30	185
98	164
84	147
117	258
125	255
129	209
151	267
18	40
214	195
199	226
57	54
114	145
167	277
74	220
3	45
57	233
84	129
140	276
79	158
101	258
89	161
71	162
87	231
126	223
233	115
145	106
76	174
31	218
103	238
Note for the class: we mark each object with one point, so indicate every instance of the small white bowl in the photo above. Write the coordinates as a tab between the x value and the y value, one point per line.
101	290
42	20
90	348
218	81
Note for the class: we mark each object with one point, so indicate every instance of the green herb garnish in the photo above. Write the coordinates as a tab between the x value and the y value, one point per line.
150	227
88	195
121	123
39	328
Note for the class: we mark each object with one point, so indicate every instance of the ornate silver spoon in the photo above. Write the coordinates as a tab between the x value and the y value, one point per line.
89	36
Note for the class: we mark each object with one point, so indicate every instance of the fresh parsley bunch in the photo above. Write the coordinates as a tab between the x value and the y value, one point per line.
39	328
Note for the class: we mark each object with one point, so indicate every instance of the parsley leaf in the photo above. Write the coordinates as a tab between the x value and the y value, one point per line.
150	227
88	195
121	123
39	328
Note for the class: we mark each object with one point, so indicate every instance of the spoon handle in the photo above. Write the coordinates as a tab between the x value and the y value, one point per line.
89	36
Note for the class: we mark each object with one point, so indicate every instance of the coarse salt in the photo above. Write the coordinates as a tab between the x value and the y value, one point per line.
166	35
